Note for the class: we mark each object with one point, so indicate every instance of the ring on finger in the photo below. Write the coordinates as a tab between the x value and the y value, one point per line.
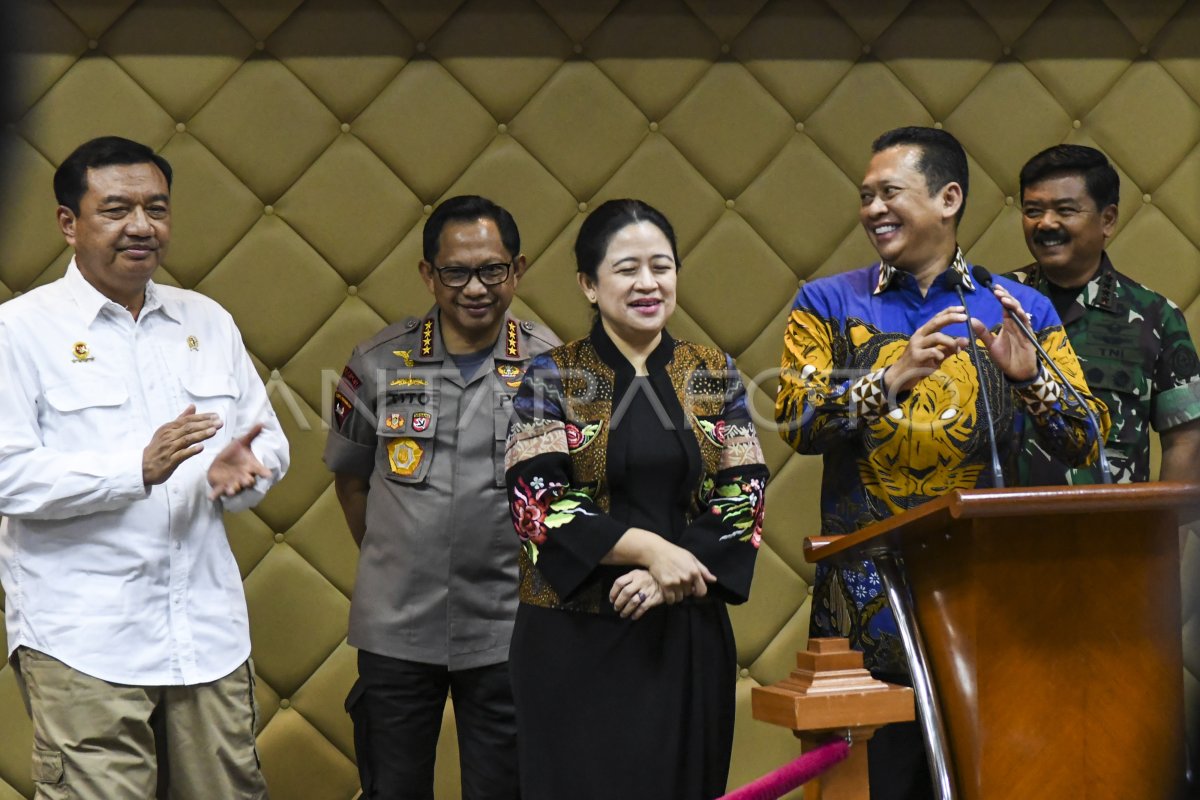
641	597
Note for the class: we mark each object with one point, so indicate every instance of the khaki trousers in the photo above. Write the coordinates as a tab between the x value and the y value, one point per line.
94	740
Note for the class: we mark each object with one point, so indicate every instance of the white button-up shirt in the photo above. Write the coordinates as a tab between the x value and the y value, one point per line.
126	583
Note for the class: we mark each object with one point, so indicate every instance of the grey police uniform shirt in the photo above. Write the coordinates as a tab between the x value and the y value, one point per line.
437	574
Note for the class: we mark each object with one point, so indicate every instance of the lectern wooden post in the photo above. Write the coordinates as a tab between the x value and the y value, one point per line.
1051	622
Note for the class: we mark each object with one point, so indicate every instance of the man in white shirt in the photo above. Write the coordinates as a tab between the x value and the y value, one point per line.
131	417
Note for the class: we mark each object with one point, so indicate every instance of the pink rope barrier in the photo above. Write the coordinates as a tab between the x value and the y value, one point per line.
781	781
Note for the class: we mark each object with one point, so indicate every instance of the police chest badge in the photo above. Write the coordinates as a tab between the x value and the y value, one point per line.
394	421
404	456
420	421
511	374
82	353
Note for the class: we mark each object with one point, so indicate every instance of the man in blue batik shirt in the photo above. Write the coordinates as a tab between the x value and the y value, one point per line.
877	377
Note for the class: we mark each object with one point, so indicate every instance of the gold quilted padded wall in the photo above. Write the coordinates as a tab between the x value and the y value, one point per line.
310	139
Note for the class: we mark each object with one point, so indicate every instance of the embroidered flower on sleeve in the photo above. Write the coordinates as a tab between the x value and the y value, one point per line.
741	505
539	505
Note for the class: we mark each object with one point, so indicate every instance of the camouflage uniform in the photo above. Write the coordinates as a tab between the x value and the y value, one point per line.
1137	357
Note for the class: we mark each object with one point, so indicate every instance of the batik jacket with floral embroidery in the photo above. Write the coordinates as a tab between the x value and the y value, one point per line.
558	473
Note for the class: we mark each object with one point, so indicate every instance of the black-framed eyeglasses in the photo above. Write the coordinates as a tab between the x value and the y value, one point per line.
488	274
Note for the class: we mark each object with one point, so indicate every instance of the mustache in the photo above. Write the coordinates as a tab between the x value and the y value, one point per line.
1045	237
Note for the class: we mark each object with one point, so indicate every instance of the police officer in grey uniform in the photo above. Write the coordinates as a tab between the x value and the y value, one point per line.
420	418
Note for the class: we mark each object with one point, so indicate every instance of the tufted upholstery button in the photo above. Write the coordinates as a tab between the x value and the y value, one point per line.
502	128
18	293
345	127
268	210
1008	201
578	49
420	47
278	538
352	290
937	125
1006	50
260	46
1145	198
1144	50
93	44
729	203
725	49
275	375
866	48
285	703
743	672
799	126
653	127
180	127
427	209
582	206
1076	124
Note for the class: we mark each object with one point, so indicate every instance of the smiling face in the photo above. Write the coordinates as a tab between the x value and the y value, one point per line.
910	229
1064	230
122	229
471	315
634	287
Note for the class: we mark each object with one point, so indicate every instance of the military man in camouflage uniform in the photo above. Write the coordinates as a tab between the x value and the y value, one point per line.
1133	343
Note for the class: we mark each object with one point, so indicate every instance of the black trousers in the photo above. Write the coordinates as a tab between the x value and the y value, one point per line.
896	758
397	707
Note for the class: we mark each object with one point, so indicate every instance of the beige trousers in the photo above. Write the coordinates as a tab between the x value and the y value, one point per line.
94	740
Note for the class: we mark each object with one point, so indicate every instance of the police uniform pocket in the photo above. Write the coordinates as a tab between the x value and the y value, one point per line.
406	428
502	415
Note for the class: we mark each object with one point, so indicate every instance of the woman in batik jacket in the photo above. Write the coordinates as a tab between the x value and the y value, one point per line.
636	482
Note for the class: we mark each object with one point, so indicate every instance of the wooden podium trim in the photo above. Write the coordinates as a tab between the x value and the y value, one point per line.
983	503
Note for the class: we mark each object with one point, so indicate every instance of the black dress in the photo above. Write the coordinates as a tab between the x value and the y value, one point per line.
617	708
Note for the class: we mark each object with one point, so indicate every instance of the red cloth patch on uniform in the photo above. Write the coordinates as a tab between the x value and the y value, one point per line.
351	379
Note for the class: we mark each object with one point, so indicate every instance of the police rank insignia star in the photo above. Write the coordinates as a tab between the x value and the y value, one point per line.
404	456
420	421
193	343
82	353
427	337
510	340
394	421
511	374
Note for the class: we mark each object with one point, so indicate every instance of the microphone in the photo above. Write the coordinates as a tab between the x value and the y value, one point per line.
984	279
955	278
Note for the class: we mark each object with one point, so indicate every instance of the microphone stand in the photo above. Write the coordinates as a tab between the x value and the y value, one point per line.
997	473
984	279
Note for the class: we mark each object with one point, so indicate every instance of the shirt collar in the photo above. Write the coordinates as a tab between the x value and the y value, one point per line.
430	346
91	301
1099	292
887	273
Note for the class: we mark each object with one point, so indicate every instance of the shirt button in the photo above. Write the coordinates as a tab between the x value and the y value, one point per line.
178	545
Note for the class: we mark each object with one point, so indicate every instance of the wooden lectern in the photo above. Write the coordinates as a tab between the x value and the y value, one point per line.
1048	620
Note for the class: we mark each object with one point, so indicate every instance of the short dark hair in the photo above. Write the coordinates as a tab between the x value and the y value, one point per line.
602	224
468	208
70	179
943	159
1103	183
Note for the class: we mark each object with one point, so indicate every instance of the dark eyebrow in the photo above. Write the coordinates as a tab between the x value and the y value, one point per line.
119	198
